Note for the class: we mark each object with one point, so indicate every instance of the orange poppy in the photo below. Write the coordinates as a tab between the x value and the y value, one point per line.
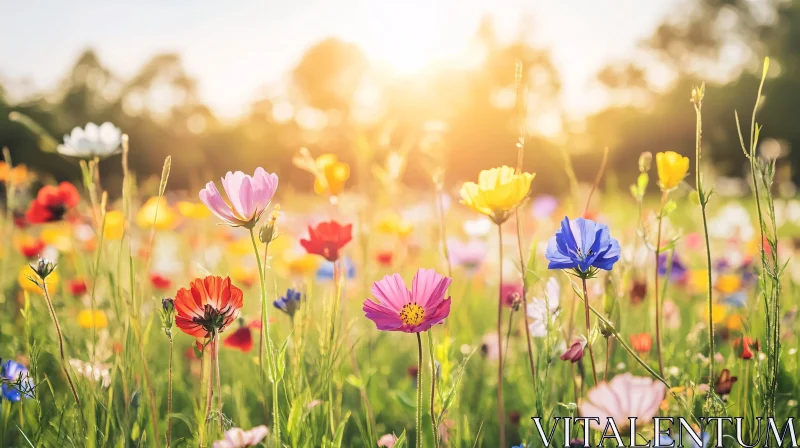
208	306
642	342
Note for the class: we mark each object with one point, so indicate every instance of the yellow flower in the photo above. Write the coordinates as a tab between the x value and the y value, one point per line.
241	247
698	280
729	283
32	288
331	175
58	235
718	313
243	275
164	220
672	168
302	265
92	319
394	224
113	228
736	322
17	175
498	192
193	210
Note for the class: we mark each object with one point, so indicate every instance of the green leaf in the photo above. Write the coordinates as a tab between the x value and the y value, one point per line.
355	381
427	430
641	182
337	440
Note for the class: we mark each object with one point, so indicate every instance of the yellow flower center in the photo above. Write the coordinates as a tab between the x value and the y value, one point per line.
412	314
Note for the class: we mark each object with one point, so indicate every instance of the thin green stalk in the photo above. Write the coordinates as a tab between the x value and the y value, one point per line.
419	392
169	397
500	406
64	364
433	390
219	386
697	98
655	290
266	337
589	329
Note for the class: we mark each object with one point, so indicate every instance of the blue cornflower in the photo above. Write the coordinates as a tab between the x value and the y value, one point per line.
325	271
583	246
290	302
16	381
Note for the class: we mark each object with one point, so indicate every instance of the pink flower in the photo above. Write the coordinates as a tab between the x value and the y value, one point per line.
387	440
575	351
624	396
248	197
399	309
239	438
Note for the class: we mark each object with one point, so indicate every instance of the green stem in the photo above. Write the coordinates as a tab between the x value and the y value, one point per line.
64	364
169	397
589	330
266	338
658	303
433	391
500	406
419	392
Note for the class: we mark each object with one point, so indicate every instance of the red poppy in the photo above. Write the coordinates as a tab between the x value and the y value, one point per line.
241	339
744	347
384	258
209	305
77	286
52	203
255	324
327	239
31	248
642	342
160	282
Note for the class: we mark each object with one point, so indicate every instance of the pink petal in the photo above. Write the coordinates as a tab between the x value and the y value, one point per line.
384	318
232	183
391	292
246	199
212	199
264	186
437	314
428	287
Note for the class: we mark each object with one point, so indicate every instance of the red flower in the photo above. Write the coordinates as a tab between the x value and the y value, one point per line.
241	339
744	347
384	258
52	203
77	286
160	282
208	306
642	342
327	239
31	248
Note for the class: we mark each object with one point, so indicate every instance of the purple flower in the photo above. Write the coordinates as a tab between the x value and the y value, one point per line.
678	268
248	197
583	246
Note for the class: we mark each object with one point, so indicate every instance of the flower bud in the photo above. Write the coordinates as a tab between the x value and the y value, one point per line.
168	315
269	231
43	267
645	161
606	329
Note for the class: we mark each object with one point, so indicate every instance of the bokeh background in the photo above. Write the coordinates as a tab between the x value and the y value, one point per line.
231	86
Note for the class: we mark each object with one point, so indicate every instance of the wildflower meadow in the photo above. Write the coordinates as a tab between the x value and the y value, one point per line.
475	312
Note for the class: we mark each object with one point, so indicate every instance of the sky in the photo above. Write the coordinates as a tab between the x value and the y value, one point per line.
236	50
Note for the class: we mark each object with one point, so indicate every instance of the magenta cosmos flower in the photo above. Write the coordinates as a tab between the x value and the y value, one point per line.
248	197
399	309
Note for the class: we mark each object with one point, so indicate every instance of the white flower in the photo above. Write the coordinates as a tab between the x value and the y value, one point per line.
477	228
93	141
239	438
539	309
732	221
97	372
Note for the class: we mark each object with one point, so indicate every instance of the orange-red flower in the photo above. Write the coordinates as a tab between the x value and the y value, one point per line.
77	286
327	239
52	203
208	306
160	282
241	339
384	258
744	347
641	342
31	247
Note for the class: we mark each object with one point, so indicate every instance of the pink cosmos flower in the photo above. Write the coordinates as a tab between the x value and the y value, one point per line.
399	309
248	197
387	440
239	438
624	396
